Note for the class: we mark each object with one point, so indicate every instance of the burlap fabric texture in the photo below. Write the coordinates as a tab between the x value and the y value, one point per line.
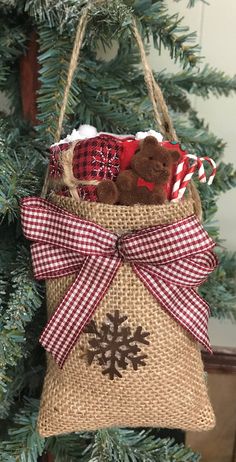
167	390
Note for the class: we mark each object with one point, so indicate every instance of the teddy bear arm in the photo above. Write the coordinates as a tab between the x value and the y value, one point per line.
158	195
126	180
107	192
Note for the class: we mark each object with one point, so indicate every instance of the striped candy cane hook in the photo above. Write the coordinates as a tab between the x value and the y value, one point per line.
180	183
213	165
177	180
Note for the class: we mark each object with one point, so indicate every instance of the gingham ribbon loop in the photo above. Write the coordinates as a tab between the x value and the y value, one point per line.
171	261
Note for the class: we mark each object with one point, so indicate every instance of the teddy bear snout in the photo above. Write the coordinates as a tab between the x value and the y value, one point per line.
157	167
160	173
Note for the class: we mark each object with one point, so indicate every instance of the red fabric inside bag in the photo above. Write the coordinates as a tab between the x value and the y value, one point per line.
103	157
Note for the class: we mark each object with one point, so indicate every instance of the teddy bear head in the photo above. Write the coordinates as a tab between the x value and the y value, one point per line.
153	162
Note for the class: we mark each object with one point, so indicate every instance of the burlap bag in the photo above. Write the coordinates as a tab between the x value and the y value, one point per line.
168	390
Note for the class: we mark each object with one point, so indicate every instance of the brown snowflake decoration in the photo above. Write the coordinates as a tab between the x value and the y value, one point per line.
114	347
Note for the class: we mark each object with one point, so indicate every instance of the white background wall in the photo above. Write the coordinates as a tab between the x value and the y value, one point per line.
216	28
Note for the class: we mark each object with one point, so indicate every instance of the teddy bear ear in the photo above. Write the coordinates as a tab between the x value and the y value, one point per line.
175	155
150	140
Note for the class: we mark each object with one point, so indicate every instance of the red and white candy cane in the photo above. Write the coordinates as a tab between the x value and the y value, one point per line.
180	183
178	179
201	171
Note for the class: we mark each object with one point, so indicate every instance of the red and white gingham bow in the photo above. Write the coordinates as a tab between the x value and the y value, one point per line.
171	261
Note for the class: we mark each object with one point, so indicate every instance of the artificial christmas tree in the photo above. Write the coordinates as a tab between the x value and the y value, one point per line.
111	96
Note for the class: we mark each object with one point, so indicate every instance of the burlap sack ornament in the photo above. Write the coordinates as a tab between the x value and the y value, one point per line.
134	364
125	319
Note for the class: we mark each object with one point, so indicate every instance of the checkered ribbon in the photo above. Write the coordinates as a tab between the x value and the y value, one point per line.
170	260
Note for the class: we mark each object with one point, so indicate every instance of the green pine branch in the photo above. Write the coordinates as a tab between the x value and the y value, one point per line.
209	81
8	5
64	15
168	31
118	445
22	442
219	290
111	96
26	376
22	165
23	302
57	14
114	102
54	63
225	179
192	3
110	20
223	182
199	141
13	41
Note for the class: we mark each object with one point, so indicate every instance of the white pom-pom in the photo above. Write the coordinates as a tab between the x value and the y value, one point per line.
87	131
157	135
142	135
75	135
83	132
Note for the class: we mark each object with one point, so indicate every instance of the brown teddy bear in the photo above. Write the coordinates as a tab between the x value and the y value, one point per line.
144	182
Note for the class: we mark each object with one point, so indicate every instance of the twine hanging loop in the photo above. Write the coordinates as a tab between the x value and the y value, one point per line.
160	109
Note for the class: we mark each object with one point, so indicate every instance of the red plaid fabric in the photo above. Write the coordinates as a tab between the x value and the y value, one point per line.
55	167
170	260
95	158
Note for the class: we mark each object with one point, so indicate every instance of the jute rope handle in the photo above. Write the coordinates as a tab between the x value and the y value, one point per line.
69	179
156	96
160	110
162	116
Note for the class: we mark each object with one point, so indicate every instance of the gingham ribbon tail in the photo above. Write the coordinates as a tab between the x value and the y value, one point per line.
170	260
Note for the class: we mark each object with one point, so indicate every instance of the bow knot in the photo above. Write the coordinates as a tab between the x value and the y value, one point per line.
119	248
171	261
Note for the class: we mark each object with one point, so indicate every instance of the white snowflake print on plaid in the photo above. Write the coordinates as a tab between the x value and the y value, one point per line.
105	162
